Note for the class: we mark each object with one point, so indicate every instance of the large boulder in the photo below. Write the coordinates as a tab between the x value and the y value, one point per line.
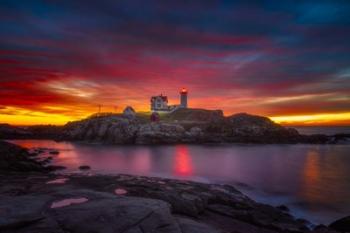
117	215
204	202
98	212
125	203
16	158
123	132
109	129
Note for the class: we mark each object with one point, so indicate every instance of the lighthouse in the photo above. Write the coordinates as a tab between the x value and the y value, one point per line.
159	103
183	98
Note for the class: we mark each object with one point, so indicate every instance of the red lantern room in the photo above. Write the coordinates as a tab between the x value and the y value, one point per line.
183	91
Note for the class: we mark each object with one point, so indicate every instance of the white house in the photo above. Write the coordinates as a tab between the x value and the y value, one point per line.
159	103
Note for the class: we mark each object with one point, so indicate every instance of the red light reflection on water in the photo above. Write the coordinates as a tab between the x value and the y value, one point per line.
141	163
183	162
312	179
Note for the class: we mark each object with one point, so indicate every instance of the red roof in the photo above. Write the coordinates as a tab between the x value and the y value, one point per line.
164	98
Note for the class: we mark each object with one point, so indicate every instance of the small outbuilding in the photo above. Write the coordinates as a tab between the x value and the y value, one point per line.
155	117
129	112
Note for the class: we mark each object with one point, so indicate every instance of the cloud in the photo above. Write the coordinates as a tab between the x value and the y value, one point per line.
69	57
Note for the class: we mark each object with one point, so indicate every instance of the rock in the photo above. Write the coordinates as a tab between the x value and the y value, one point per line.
184	126
200	125
259	129
196	132
191	226
342	225
262	215
16	158
30	132
103	212
84	167
123	132
157	133
191	199
303	221
322	229
283	208
55	167
10	132
21	211
33	154
46	160
90	204
117	215
109	129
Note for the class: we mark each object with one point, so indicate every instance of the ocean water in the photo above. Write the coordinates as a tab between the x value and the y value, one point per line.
312	180
328	130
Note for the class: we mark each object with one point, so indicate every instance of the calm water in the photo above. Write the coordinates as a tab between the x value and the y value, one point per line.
312	180
328	130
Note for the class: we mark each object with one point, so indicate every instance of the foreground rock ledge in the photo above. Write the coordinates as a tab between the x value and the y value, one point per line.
132	204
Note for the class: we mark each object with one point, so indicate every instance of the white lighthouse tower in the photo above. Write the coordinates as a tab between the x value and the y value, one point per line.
183	98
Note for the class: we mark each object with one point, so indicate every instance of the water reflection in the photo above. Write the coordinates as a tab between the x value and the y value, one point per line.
68	201
70	156
58	181
311	176
313	180
183	163
141	162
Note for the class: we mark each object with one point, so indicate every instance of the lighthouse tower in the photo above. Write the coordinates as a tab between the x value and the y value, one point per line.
183	98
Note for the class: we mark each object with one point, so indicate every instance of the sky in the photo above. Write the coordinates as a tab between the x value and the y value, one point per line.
288	60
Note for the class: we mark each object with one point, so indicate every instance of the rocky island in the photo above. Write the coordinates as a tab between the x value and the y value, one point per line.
183	125
33	199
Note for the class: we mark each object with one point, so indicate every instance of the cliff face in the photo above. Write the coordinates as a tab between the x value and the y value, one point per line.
123	130
109	129
184	126
260	129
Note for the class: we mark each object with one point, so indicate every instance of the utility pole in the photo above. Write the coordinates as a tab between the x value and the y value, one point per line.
99	108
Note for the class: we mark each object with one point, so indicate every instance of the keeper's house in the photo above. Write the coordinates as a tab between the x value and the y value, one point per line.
159	103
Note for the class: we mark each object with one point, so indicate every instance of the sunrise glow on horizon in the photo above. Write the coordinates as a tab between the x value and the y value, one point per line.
287	61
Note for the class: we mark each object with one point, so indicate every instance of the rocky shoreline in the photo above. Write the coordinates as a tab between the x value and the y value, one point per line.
195	126
36	200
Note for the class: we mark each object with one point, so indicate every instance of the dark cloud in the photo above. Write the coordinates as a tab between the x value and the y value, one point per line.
264	48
